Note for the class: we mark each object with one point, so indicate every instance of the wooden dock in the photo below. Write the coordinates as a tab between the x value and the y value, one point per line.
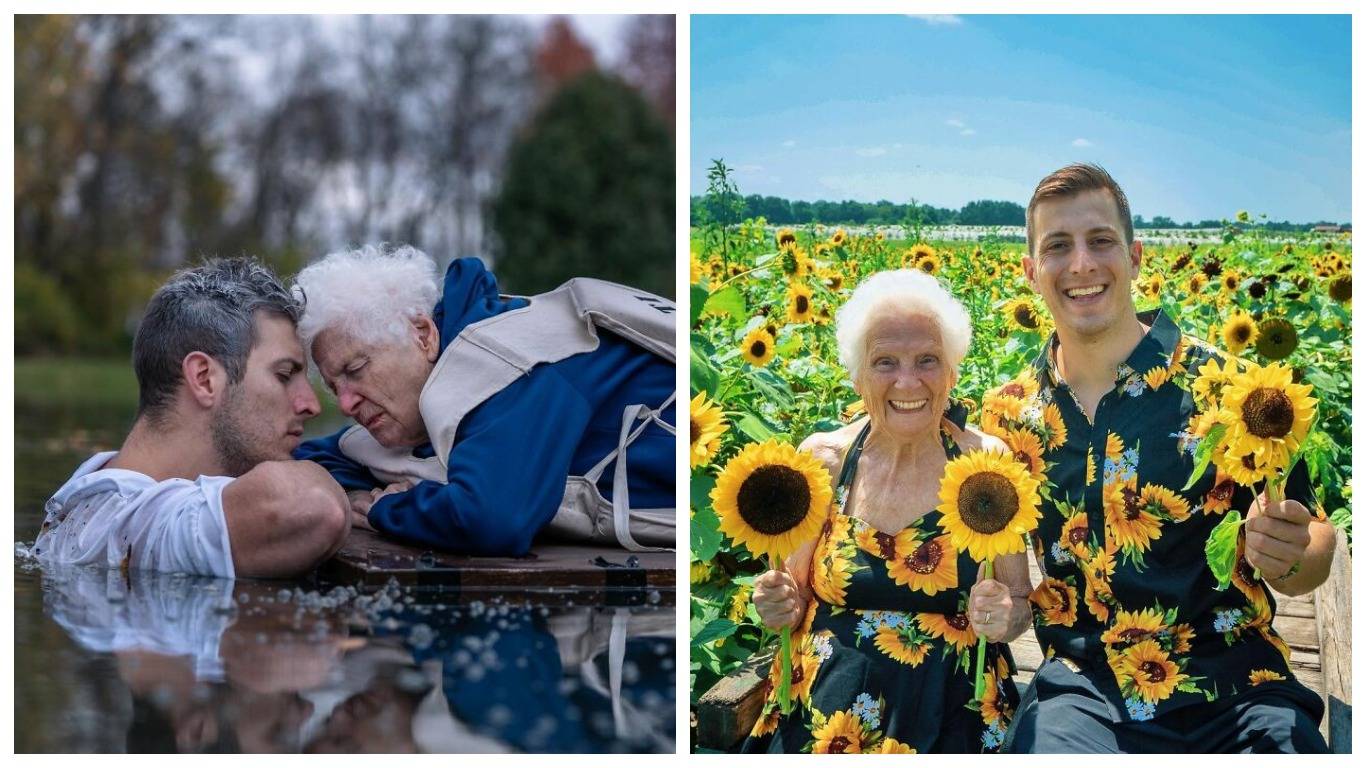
368	560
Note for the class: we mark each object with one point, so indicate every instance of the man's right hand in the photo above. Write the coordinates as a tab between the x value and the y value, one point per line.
777	600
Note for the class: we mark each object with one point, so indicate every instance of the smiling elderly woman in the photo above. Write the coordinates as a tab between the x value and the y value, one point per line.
484	420
884	610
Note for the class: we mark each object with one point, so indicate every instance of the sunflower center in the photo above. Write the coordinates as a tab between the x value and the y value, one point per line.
1014	390
1132	507
1241	332
1076	534
926	557
758	348
802	305
1156	672
987	501
839	744
1245	571
1222	491
1268	412
797	674
1024	315
958	621
886	545
694	431
1133	634
773	499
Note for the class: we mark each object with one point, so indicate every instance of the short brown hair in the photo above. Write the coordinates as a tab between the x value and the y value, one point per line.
1072	180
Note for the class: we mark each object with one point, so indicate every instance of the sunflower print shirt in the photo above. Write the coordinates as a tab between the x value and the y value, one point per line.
1126	592
884	660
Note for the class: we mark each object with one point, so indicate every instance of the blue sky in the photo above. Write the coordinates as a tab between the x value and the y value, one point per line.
1195	116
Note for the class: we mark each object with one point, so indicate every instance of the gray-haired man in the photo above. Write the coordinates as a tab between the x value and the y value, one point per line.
203	483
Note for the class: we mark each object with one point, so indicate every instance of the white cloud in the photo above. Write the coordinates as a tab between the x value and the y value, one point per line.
870	151
967	132
954	122
936	19
789	144
1080	143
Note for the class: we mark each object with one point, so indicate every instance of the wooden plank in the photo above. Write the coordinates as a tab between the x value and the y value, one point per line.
371	560
1334	599
728	711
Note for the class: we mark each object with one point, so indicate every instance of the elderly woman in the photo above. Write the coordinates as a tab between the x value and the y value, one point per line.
485	420
885	612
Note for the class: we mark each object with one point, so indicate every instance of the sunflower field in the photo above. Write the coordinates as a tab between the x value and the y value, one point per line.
764	362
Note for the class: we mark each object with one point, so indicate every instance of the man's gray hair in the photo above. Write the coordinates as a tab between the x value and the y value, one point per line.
210	308
372	293
905	290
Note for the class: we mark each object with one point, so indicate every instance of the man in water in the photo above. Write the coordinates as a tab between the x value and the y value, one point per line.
204	483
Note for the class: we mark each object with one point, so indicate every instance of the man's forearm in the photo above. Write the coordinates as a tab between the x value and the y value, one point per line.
1314	566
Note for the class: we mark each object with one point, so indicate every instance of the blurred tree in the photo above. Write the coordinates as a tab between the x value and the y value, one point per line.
589	190
562	56
649	62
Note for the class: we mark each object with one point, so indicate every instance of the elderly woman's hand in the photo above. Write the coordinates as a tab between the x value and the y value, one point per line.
989	609
777	600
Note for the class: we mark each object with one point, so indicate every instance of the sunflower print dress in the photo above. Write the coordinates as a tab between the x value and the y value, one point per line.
884	660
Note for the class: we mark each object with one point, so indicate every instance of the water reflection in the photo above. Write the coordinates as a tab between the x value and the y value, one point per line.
214	665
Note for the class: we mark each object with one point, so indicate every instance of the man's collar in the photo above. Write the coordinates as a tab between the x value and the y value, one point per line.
1154	349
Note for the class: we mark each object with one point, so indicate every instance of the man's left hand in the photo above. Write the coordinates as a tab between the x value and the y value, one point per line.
1276	536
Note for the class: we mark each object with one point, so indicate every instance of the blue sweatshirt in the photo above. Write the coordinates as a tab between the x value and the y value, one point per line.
507	468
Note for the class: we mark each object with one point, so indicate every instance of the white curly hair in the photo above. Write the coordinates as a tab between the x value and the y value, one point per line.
371	293
906	290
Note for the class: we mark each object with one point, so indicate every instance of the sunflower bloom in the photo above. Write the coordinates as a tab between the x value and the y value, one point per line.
1238	332
929	566
989	502
1056	600
1276	338
758	347
907	647
1258	676
954	628
1023	314
706	424
1133	626
890	746
798	303
1267	414
1154	675
842	733
772	498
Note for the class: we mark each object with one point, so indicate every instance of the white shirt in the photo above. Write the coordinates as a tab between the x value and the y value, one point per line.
118	518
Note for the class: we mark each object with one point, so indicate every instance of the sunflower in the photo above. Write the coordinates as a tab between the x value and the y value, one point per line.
879	544
1154	675
805	664
1211	380
1268	416
841	733
1004	406
739	603
1197	282
1054	429
1181	637
838	238
1027	450
831	569
799	303
1022	313
786	237
1056	601
954	628
1164	503
706	424
772	498
1133	626
1259	676
1340	289
890	746
1239	331
1156	377
1230	280
1090	468
1097	598
1114	446
1131	523
905	646
696	273
699	573
929	265
768	723
929	566
917	253
989	502
1220	495
833	280
758	347
1276	338
1074	533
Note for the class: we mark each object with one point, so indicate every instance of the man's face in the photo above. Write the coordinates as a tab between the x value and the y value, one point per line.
1081	265
379	385
262	416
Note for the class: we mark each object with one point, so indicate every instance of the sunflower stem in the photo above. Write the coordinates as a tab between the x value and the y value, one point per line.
785	680
982	652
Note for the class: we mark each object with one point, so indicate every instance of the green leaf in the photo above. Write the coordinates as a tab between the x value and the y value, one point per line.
716	630
699	490
755	427
773	388
1221	549
704	536
1204	452
698	299
727	301
703	375
791	346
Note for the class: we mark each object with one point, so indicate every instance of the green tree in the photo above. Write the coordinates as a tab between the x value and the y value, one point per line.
589	191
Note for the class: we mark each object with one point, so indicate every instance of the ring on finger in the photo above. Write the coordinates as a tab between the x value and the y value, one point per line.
987	620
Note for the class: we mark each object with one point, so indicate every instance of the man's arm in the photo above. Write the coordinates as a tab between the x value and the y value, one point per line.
284	518
505	474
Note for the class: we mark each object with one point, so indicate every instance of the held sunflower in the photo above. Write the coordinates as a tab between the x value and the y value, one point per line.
772	498
989	502
1267	414
706	424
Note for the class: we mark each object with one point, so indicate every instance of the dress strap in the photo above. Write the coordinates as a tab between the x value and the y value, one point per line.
851	456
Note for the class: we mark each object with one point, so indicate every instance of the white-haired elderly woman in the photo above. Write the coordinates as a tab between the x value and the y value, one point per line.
885	612
449	452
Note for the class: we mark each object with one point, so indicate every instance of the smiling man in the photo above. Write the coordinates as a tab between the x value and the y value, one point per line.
1145	653
204	483
484	420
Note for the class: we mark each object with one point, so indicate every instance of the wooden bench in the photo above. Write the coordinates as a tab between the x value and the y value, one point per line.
1317	627
578	573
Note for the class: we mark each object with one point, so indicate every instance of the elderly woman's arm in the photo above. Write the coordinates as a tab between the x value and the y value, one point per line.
999	607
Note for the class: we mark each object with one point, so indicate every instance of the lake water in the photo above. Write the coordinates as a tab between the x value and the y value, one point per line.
146	662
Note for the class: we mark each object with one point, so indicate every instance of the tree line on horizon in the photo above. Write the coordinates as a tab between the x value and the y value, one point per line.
987	213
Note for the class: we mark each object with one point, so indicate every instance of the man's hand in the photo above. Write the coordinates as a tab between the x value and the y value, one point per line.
777	600
1277	536
989	606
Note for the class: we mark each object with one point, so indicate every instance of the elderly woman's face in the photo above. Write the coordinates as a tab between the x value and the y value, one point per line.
378	385
905	381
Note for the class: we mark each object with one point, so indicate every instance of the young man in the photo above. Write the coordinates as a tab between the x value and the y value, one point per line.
203	483
1144	652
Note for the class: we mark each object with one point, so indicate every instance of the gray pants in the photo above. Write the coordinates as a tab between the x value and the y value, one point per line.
1062	711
